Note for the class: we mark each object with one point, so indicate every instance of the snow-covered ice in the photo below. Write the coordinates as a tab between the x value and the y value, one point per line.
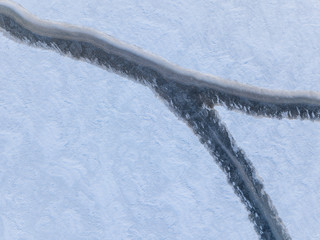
86	154
70	131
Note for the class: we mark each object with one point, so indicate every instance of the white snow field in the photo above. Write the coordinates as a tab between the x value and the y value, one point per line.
285	154
86	154
89	155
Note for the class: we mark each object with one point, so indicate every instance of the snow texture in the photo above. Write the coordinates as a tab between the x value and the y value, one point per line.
184	100
272	44
89	155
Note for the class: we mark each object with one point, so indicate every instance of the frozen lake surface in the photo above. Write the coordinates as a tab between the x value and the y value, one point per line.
90	155
86	154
